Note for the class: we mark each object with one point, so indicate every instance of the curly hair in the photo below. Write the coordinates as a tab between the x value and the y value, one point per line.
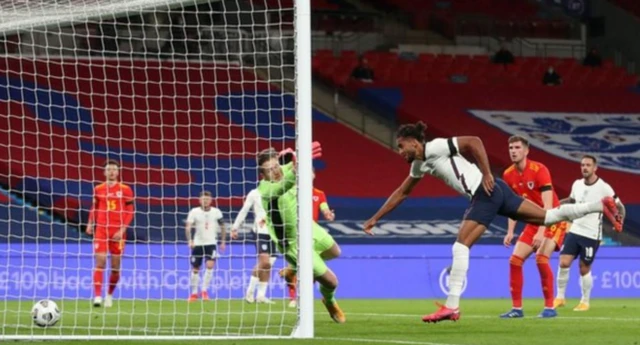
411	130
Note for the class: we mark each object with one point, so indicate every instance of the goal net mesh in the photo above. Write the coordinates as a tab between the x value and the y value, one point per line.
183	95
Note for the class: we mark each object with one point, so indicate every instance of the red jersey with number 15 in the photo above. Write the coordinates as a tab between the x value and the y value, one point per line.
531	182
113	207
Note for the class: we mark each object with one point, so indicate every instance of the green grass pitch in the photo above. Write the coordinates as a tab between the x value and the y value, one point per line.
610	321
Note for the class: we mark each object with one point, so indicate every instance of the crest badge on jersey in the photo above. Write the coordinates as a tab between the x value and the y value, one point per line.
614	139
119	194
531	184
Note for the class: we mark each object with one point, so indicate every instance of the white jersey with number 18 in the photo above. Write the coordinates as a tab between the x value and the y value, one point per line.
589	226
443	160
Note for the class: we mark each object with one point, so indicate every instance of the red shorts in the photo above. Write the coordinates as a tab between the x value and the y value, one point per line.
555	232
103	241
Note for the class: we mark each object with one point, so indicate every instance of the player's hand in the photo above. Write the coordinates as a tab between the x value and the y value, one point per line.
89	230
190	244
329	215
368	226
316	150
234	234
488	183
507	239
117	236
538	239
223	246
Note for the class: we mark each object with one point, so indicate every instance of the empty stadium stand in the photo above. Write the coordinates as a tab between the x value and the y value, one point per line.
391	69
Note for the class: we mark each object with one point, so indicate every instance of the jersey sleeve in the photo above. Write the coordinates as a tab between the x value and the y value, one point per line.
543	179
271	190
219	216
608	191
191	217
127	194
442	147
415	170
322	201
572	195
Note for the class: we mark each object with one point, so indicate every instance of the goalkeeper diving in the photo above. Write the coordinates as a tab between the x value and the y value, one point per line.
279	197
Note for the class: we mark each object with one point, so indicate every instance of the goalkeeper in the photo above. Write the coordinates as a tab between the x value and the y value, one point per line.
279	197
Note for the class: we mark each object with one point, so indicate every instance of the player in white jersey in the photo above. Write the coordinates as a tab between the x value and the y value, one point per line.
207	221
444	159
585	233
264	246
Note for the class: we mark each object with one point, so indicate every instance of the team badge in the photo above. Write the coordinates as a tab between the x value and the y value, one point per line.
119	194
530	184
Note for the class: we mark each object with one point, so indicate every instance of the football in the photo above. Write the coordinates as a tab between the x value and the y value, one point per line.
45	313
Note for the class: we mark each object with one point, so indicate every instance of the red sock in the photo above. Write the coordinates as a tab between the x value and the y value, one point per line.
98	277
516	280
113	281
546	278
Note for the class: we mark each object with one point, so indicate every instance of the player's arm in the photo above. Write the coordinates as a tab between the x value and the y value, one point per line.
129	208
92	215
567	200
223	233
187	228
275	189
244	211
325	209
473	146
396	198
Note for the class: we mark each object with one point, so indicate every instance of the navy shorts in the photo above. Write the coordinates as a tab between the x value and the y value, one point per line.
502	201
264	245
206	253
576	245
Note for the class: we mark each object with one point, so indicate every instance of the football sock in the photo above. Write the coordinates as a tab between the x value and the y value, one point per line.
546	278
208	275
262	289
458	274
114	277
253	282
586	283
563	279
328	294
98	277
195	279
516	280
570	212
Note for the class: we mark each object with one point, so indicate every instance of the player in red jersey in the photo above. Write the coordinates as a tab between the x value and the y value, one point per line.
319	205
532	181
111	213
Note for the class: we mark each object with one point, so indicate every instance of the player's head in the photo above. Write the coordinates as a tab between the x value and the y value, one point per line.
205	199
410	140
268	165
588	166
518	148
111	170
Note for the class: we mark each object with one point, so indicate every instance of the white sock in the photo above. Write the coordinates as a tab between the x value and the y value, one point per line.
562	280
195	279
458	274
208	275
570	212
586	282
262	289
253	282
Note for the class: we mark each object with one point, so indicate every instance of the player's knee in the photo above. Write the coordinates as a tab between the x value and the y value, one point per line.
542	259
195	269
584	268
565	262
210	264
515	260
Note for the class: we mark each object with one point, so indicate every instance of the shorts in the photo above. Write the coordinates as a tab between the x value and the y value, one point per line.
322	241
556	232
264	245
103	241
205	252
585	247
484	207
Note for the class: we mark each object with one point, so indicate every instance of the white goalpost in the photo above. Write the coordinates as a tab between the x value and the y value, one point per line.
183	95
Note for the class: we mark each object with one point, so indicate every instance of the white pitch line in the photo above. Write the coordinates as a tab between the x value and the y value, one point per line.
386	341
572	318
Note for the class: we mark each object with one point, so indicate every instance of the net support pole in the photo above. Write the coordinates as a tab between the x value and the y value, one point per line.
304	328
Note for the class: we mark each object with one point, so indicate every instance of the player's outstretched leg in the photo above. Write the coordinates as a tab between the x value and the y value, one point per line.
531	213
265	262
328	285
469	233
